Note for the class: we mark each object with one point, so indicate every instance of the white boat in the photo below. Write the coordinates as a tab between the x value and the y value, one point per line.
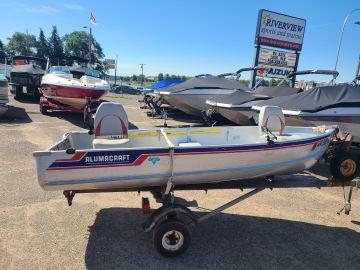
329	105
115	157
60	87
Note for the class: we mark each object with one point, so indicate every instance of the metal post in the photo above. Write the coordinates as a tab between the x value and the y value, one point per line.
142	74
253	79
293	79
115	70
90	43
357	71
341	35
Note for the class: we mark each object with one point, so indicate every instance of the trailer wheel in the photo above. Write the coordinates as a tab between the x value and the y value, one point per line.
171	238
18	92
344	166
43	109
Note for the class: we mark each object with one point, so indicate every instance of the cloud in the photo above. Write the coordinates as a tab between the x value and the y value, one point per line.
7	3
42	9
74	6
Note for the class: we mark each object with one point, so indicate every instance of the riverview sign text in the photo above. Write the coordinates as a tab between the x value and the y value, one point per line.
279	30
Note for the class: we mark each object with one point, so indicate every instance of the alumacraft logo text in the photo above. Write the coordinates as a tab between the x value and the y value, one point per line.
108	158
281	25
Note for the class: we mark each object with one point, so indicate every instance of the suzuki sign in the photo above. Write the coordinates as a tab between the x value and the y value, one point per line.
273	71
279	30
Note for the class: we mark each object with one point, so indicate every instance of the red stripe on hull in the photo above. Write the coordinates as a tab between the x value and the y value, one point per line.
71	92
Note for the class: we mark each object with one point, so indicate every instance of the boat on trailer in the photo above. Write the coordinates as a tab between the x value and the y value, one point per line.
111	158
115	157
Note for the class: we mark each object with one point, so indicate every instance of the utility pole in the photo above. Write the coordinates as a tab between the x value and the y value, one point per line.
142	74
115	67
27	42
90	45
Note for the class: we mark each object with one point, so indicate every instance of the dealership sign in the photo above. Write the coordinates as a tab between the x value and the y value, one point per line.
275	64
279	30
277	58
110	63
273	71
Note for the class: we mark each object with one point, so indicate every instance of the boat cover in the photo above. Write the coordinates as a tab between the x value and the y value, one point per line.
318	98
277	91
206	82
28	68
163	83
261	93
238	97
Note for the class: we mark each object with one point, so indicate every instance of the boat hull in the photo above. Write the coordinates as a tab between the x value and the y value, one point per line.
136	168
71	96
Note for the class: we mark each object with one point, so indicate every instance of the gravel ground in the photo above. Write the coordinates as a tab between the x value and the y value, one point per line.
278	229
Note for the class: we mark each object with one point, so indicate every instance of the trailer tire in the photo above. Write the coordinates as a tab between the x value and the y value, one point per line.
43	109
18	92
171	238
344	166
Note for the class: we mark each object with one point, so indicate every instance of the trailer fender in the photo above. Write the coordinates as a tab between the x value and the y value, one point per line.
162	213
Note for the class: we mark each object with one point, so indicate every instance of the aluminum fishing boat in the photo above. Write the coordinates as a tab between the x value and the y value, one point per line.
114	157
60	87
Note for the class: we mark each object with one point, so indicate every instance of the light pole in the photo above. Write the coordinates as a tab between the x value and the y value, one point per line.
142	74
342	33
116	67
90	43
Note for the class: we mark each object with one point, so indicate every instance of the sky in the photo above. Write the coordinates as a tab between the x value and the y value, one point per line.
191	37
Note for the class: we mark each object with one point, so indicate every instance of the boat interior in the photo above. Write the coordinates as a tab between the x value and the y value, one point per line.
111	133
90	76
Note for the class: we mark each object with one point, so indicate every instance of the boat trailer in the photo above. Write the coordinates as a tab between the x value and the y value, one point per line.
88	111
171	222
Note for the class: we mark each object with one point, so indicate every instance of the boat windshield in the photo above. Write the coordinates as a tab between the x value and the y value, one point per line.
93	73
59	70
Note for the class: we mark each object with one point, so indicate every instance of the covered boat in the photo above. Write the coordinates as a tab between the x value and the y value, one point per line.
330	105
236	107
191	95
26	74
115	157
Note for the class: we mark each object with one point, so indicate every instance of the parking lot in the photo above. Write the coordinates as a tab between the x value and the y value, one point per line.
278	229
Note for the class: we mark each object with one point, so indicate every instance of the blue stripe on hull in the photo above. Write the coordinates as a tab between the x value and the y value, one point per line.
214	171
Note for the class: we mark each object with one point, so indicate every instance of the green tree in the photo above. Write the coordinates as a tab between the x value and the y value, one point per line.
21	44
167	76
134	78
42	45
77	44
2	53
183	78
55	44
160	77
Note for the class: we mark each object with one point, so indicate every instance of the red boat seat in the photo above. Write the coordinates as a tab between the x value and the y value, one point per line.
110	126
271	118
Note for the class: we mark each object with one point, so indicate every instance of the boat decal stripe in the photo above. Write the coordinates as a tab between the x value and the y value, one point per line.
116	158
316	154
107	159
